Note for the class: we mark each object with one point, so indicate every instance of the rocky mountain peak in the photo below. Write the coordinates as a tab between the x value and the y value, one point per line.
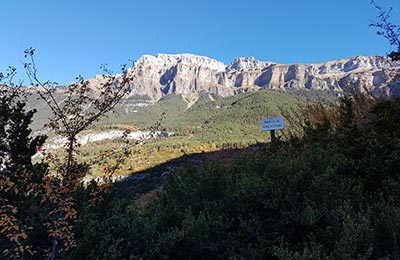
191	75
168	60
247	64
364	62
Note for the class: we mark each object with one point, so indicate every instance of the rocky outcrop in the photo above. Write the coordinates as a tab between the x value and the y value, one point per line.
189	74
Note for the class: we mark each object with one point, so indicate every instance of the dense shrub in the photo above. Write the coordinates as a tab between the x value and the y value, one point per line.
330	192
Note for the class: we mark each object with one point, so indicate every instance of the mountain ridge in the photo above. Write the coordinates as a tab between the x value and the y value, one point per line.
190	74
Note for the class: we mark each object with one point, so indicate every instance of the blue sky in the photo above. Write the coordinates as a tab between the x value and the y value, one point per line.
74	37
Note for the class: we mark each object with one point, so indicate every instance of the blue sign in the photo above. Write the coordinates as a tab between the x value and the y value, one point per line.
272	123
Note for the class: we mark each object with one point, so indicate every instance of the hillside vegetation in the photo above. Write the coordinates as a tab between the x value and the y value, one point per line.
208	125
329	193
212	123
328	190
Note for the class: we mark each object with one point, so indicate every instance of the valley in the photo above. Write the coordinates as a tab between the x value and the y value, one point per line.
212	123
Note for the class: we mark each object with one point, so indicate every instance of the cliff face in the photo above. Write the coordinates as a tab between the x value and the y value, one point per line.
188	74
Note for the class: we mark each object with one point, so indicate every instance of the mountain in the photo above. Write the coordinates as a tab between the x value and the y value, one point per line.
190	75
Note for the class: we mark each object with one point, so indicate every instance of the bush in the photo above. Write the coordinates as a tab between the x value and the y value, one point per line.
331	192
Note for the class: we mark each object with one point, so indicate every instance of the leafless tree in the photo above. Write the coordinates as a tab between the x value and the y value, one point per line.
387	29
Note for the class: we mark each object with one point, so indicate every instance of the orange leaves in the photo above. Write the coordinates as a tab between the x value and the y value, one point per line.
11	227
18	252
6	252
71	214
58	196
6	184
14	231
62	231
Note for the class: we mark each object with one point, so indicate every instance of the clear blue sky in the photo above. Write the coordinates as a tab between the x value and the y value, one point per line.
76	36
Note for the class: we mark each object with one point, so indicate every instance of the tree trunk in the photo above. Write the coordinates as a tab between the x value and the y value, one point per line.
54	249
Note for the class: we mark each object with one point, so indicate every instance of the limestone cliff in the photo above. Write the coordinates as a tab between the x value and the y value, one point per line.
189	74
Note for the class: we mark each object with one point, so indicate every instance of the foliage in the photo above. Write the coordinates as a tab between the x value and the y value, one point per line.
53	192
330	190
329	193
321	195
210	125
19	178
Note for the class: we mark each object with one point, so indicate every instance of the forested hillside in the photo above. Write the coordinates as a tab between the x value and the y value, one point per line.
328	190
329	193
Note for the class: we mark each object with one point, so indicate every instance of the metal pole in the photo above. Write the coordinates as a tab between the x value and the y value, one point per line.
272	135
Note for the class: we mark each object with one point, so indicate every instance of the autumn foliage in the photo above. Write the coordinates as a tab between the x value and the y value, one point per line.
49	188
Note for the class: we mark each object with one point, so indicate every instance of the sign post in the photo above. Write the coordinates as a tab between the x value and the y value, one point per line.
271	124
272	132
